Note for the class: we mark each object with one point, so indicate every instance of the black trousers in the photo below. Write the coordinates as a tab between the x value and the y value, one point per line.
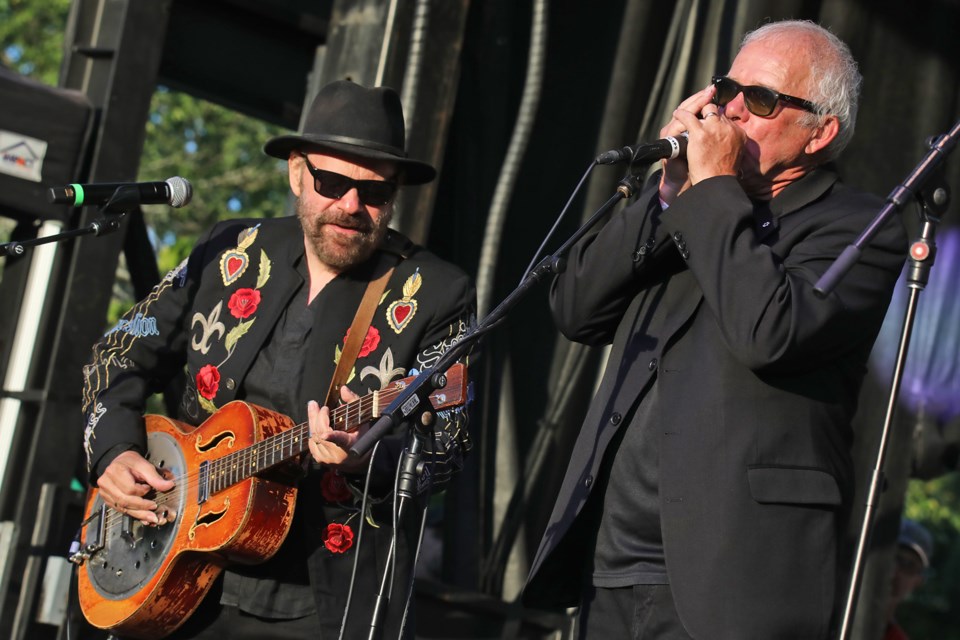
219	622
639	612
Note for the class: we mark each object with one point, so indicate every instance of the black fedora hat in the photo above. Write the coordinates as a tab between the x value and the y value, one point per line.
367	123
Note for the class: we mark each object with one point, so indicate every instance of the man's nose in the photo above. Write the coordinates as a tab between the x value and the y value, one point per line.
350	201
736	108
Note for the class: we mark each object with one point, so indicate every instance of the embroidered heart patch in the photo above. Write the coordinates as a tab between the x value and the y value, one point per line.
400	313
232	266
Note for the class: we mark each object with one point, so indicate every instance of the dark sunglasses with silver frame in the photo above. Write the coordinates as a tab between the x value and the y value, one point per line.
760	101
329	184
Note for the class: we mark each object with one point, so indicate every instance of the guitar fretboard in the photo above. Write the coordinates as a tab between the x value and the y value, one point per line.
235	467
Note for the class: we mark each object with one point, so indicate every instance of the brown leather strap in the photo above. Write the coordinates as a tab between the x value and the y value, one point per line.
358	331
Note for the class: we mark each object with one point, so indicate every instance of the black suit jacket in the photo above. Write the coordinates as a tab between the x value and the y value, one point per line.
757	379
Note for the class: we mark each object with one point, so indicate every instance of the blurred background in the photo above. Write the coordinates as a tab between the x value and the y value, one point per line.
511	100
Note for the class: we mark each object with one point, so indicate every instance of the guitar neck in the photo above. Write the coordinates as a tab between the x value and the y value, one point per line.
240	465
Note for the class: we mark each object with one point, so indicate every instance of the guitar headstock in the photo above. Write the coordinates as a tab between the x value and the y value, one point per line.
349	416
452	394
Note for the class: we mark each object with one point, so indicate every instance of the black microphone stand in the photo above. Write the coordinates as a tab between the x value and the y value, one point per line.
114	210
99	227
406	491
927	181
414	401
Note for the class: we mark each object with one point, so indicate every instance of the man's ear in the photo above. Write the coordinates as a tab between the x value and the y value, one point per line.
823	134
295	168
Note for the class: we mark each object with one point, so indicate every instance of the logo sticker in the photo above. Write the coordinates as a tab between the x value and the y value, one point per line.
22	156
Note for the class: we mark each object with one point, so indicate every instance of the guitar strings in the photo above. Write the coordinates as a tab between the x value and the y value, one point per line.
242	458
294	435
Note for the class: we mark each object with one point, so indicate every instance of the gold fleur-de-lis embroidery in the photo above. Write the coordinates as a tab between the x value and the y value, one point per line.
211	325
386	371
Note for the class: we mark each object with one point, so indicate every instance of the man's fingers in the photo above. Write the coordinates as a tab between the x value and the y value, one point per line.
126	483
319	420
687	118
154	477
145	516
130	469
342	439
150	512
326	452
693	104
699	100
328	446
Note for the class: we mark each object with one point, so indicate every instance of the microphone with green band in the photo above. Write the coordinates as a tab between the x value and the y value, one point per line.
175	191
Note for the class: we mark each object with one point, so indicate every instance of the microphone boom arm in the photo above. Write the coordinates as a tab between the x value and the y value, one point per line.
940	148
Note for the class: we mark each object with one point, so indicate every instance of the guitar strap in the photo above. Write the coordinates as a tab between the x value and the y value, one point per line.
358	331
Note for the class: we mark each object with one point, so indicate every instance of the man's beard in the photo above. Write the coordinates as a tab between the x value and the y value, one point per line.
342	252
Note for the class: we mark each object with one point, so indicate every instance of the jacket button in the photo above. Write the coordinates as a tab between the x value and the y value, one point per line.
588	481
652	365
230	384
615	418
677	236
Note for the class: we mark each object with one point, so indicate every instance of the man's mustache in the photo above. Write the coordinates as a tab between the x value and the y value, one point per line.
358	223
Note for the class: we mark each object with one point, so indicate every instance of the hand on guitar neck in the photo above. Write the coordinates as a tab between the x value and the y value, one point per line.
127	484
331	446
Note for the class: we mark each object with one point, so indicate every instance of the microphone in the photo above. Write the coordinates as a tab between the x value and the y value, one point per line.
647	152
175	192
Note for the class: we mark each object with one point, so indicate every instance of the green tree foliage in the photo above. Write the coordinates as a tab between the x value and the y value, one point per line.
31	36
220	152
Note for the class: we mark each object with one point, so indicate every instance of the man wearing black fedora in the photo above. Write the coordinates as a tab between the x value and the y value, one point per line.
263	311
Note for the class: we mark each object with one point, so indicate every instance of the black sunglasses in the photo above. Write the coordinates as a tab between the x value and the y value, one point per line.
760	101
375	193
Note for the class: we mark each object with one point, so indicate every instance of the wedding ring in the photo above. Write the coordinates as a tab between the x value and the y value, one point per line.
710	113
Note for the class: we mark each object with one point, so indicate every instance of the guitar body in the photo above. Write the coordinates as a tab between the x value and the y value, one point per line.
144	582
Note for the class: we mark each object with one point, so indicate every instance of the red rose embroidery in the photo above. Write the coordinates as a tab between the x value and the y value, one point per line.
243	303
334	487
339	537
370	342
208	381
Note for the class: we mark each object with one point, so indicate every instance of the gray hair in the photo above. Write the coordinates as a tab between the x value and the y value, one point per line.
836	79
